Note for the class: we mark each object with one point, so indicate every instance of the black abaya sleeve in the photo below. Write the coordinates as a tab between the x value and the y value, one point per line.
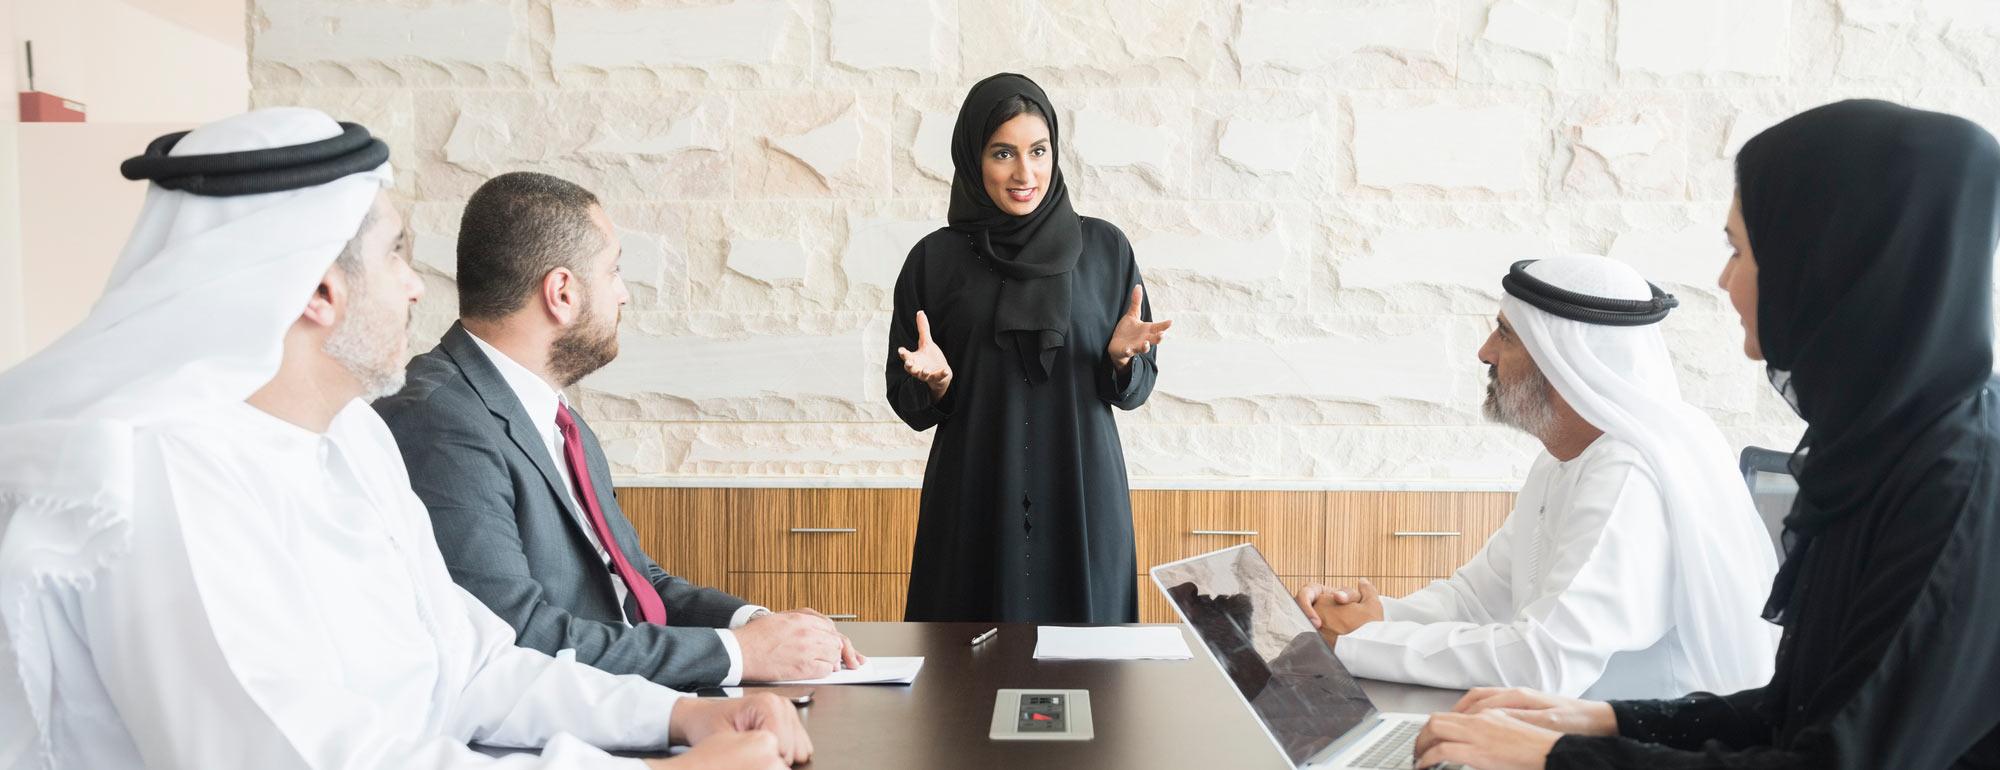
909	396
1129	390
1735	721
1702	730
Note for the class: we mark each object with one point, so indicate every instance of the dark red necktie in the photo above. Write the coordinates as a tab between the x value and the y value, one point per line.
651	609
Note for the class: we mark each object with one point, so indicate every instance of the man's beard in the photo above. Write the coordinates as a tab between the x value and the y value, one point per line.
1523	405
369	344
583	348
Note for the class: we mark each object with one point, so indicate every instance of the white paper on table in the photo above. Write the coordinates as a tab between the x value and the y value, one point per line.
1110	643
875	671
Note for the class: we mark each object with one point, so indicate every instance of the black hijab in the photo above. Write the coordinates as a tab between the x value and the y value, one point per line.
1873	226
1036	252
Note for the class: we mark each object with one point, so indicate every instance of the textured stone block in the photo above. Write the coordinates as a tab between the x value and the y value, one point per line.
1628	145
1111	141
1472	260
1113	43
1525	27
798	373
1319	370
1207	256
1905	42
814	450
1447	143
1271	147
932	151
1456	455
886	34
763	257
1427	259
1703	37
877	246
741	32
811	145
768	261
1404	43
301	32
471	136
1125	145
1718	123
1287	144
655	258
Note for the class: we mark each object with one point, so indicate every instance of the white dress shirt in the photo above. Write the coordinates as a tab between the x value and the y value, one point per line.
1570	596
541	399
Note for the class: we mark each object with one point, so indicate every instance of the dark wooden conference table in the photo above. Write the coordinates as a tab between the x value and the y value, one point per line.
1150	714
1147	714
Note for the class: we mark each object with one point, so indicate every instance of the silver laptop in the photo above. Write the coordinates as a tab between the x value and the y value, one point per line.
1280	667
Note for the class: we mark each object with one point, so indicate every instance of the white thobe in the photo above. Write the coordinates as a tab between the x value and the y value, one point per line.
284	605
1570	596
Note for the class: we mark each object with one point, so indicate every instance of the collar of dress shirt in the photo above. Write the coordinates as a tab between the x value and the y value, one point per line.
535	394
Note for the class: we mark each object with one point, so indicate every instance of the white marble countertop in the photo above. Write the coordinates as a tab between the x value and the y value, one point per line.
894	482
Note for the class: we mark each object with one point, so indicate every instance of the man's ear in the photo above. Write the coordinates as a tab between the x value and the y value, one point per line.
328	300
560	295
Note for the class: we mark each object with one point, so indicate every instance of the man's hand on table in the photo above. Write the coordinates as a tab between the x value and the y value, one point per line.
1338	611
799	644
699	721
753	750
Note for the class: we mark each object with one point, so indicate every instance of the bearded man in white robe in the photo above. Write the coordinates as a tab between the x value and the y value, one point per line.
211	554
1633	564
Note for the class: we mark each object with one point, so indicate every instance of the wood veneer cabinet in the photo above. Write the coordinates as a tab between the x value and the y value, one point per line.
846	551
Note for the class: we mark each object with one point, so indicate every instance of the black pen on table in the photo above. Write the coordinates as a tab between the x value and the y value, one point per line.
985	636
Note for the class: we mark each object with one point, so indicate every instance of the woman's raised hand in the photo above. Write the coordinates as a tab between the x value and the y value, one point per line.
927	363
1134	337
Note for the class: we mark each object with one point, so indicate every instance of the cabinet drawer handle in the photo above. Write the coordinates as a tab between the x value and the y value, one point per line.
1425	534
822	530
843	617
1226	532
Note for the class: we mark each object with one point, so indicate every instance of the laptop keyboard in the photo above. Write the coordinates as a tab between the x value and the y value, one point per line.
1395	750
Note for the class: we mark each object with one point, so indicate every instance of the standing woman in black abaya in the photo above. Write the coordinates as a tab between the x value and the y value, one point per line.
1017	328
1864	237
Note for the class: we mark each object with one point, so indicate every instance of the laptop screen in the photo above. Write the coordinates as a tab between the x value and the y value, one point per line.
1262	640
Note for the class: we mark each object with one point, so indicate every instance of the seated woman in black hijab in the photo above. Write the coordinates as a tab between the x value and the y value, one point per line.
1864	237
1017	328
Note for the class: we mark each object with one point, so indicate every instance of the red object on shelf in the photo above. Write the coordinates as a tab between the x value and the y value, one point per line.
38	107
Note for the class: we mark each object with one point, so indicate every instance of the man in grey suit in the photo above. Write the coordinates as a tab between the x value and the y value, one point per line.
519	491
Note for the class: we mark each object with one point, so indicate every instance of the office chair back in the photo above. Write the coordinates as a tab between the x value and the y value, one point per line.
1768	473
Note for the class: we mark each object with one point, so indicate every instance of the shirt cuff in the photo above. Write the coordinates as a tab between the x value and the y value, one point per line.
744	614
1390	607
729	645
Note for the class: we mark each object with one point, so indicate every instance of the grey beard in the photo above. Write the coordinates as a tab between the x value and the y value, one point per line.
1524	406
365	345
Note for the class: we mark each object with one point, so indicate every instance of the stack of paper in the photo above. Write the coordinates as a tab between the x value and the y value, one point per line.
1110	643
875	671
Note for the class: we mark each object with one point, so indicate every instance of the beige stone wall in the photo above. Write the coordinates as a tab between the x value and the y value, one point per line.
1323	193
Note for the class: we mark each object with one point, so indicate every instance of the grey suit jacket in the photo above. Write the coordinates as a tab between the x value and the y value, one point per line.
511	537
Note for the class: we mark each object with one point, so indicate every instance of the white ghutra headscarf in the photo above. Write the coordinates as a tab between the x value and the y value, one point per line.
1620	379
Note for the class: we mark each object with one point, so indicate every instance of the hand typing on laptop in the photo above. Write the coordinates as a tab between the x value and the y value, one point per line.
1505	728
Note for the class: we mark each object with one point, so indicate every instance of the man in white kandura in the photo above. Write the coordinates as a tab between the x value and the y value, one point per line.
212	557
1633	564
